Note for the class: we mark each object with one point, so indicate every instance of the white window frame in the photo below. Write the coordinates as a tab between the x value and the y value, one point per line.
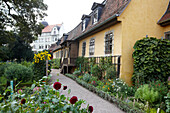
83	48
83	25
112	43
95	16
90	47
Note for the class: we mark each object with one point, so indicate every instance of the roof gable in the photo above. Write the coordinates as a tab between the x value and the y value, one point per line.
49	28
165	19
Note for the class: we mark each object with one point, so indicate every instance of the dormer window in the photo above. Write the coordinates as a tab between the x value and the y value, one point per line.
85	20
95	17
97	11
83	25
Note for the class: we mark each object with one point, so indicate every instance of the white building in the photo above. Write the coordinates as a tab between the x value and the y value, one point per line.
50	34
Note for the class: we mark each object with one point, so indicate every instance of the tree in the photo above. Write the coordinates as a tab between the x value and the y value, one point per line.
20	16
19	26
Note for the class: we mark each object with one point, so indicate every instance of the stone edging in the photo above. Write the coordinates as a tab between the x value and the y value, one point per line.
119	103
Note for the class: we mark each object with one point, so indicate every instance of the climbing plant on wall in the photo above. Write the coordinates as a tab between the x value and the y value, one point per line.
151	60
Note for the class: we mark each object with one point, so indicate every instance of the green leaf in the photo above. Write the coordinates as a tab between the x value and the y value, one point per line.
69	91
33	86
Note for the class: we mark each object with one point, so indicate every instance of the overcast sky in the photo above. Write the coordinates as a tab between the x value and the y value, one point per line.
68	11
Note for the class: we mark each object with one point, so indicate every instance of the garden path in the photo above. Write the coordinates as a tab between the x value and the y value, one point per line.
99	105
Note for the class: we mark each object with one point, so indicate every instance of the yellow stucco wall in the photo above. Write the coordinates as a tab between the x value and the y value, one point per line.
55	52
167	28
138	20
99	42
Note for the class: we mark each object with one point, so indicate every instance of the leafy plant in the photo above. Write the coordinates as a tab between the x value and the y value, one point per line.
56	63
86	77
45	99
167	101
96	71
151	59
19	72
146	94
111	73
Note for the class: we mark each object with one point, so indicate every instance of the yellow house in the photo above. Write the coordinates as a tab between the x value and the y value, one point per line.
113	27
129	21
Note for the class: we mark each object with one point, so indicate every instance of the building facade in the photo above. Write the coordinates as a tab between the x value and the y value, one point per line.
50	35
113	27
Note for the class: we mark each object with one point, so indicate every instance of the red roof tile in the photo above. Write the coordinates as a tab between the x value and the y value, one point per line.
166	17
49	28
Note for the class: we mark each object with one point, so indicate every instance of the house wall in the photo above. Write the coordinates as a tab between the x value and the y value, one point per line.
55	54
138	20
99	42
166	28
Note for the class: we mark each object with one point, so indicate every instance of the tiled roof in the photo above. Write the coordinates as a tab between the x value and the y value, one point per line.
50	27
166	17
111	8
52	46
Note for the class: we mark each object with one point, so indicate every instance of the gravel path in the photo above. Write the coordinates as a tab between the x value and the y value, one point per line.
99	105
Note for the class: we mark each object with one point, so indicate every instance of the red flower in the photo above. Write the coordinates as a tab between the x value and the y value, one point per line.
159	84
64	87
23	101
57	85
73	100
91	109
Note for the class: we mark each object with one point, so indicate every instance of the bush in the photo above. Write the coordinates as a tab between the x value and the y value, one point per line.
18	72
39	66
3	66
27	64
96	71
86	77
44	100
147	94
151	60
56	63
111	73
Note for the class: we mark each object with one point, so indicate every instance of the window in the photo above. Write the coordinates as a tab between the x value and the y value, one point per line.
83	25
46	47
83	48
95	17
91	46
108	43
167	35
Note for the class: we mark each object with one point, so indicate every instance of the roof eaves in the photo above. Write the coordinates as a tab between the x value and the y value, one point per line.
97	26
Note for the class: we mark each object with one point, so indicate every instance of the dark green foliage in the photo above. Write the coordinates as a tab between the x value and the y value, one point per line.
56	63
39	70
111	73
97	71
86	77
3	66
18	72
151	60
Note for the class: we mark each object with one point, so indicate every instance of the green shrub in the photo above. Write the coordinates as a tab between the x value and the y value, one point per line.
77	73
56	63
151	60
18	72
27	64
167	101
111	73
96	71
86	77
3	66
147	94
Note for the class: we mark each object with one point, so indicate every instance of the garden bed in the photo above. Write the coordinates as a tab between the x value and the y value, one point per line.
105	95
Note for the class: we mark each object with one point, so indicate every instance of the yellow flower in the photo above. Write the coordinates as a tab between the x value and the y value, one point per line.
108	88
113	86
103	86
106	83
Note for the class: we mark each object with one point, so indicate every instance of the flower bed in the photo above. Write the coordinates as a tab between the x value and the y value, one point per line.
42	97
125	106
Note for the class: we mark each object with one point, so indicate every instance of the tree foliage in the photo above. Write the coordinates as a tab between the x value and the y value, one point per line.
19	24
